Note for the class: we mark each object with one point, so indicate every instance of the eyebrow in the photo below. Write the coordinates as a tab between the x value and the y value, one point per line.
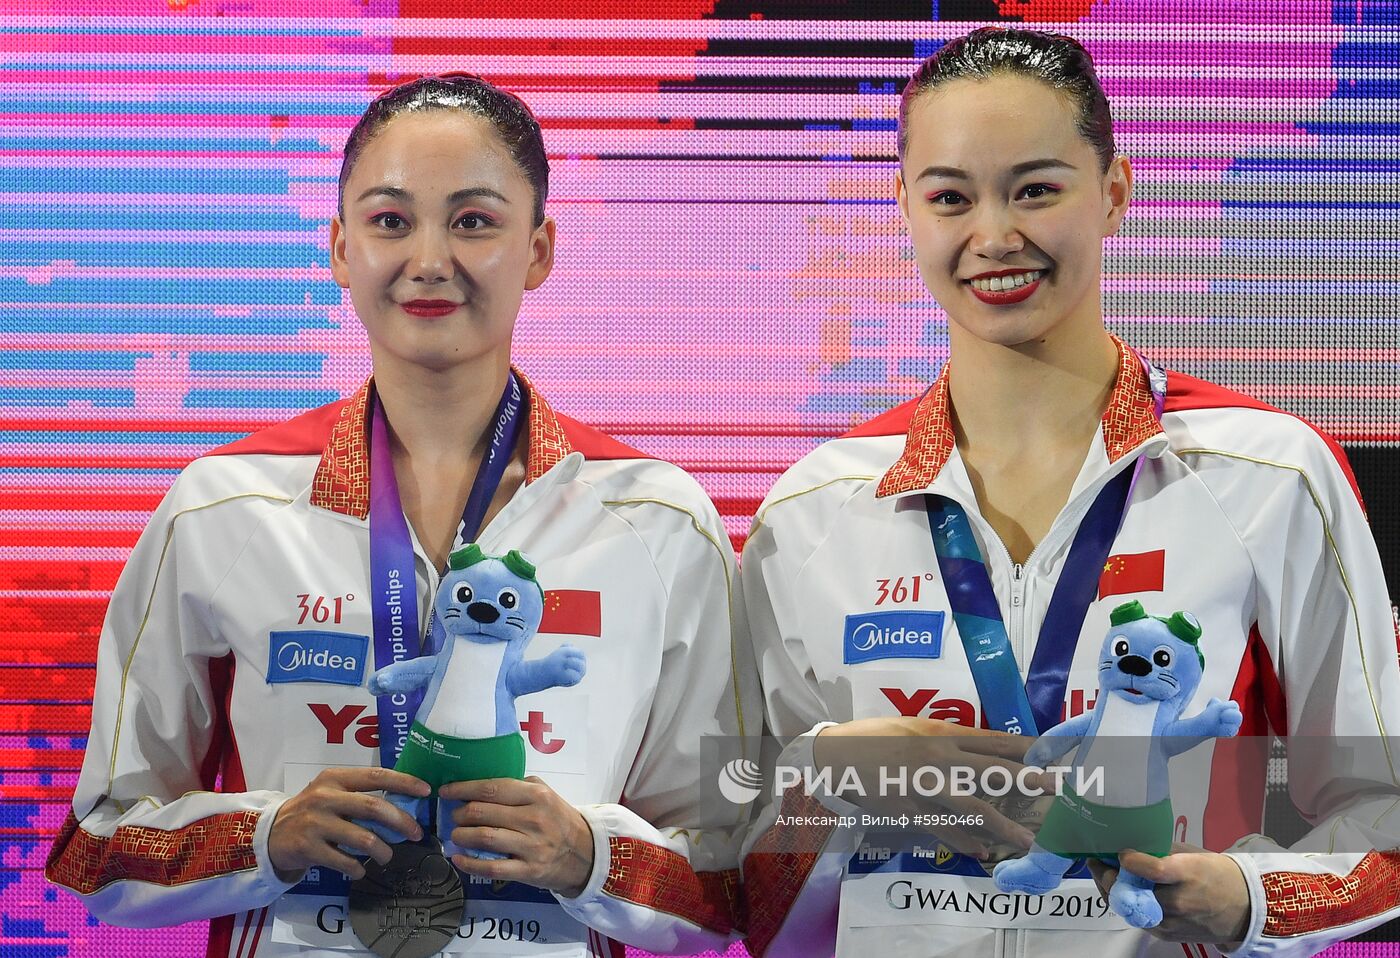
1030	166
398	193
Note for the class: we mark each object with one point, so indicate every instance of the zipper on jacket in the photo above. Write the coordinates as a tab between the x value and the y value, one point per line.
425	641
1017	625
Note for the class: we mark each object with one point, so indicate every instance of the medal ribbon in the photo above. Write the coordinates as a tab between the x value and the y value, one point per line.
393	583
1010	706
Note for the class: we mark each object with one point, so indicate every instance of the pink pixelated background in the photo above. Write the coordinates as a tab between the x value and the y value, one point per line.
732	287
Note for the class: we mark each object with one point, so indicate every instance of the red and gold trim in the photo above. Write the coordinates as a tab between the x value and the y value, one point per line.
927	446
341	483
1131	418
1300	903
548	441
209	848
1128	421
654	877
775	871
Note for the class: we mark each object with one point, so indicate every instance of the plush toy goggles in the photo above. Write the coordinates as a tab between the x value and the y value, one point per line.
470	555
1183	625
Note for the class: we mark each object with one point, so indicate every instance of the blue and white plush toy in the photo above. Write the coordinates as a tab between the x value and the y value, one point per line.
466	727
1149	669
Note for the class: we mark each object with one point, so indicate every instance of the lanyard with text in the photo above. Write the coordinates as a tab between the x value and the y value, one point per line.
1035	706
393	584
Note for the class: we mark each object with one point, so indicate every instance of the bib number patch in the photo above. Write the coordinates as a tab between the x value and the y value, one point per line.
501	918
885	898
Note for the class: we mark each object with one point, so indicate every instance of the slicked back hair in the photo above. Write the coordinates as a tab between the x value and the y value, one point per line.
1056	60
506	112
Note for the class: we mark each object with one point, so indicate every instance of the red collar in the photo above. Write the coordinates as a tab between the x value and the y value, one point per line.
342	477
1128	422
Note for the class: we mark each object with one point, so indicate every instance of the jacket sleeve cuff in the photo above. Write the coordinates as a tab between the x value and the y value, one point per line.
593	891
265	880
1258	908
645	891
798	754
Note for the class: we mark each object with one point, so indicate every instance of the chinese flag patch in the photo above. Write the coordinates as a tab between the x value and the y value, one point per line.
1138	572
572	612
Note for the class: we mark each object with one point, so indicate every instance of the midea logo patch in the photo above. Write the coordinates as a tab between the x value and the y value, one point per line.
893	635
335	657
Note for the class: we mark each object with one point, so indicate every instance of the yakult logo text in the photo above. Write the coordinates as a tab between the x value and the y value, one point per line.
893	635
335	657
338	723
926	703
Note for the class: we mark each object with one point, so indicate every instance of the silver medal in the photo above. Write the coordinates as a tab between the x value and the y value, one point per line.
411	907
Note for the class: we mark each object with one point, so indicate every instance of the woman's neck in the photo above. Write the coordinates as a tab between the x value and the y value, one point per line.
1011	399
440	419
1025	417
440	426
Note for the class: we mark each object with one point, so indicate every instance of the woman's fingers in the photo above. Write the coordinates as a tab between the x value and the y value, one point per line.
307	841
352	807
547	841
374	779
496	869
492	838
339	836
496	791
373	808
311	825
987	742
989	821
970	825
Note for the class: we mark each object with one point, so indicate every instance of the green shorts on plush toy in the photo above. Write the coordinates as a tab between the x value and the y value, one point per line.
1078	828
439	759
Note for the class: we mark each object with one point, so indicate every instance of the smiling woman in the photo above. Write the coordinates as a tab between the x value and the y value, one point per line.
996	233
1047	472
437	254
280	571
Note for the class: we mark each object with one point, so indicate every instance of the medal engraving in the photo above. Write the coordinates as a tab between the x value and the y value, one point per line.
410	908
1025	810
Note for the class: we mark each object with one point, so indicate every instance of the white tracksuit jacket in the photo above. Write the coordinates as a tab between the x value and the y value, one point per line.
1243	515
270	535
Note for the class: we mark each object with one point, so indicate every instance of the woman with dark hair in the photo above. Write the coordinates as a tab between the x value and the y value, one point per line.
284	569
934	588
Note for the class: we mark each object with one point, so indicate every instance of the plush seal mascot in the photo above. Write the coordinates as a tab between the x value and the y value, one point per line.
466	727
1149	669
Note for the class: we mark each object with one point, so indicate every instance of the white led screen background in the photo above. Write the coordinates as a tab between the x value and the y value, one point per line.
732	286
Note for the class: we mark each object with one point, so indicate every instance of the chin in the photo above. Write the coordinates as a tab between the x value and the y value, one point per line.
1010	334
437	354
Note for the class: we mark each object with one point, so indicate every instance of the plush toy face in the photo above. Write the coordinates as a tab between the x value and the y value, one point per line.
488	602
1142	660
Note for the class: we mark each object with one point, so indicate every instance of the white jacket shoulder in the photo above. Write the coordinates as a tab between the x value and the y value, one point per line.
218	478
1266	435
832	471
637	481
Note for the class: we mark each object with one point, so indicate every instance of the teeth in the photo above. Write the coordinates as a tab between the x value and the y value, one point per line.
999	284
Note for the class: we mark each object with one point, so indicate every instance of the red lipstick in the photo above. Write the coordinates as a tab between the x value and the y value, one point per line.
429	307
1006	297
